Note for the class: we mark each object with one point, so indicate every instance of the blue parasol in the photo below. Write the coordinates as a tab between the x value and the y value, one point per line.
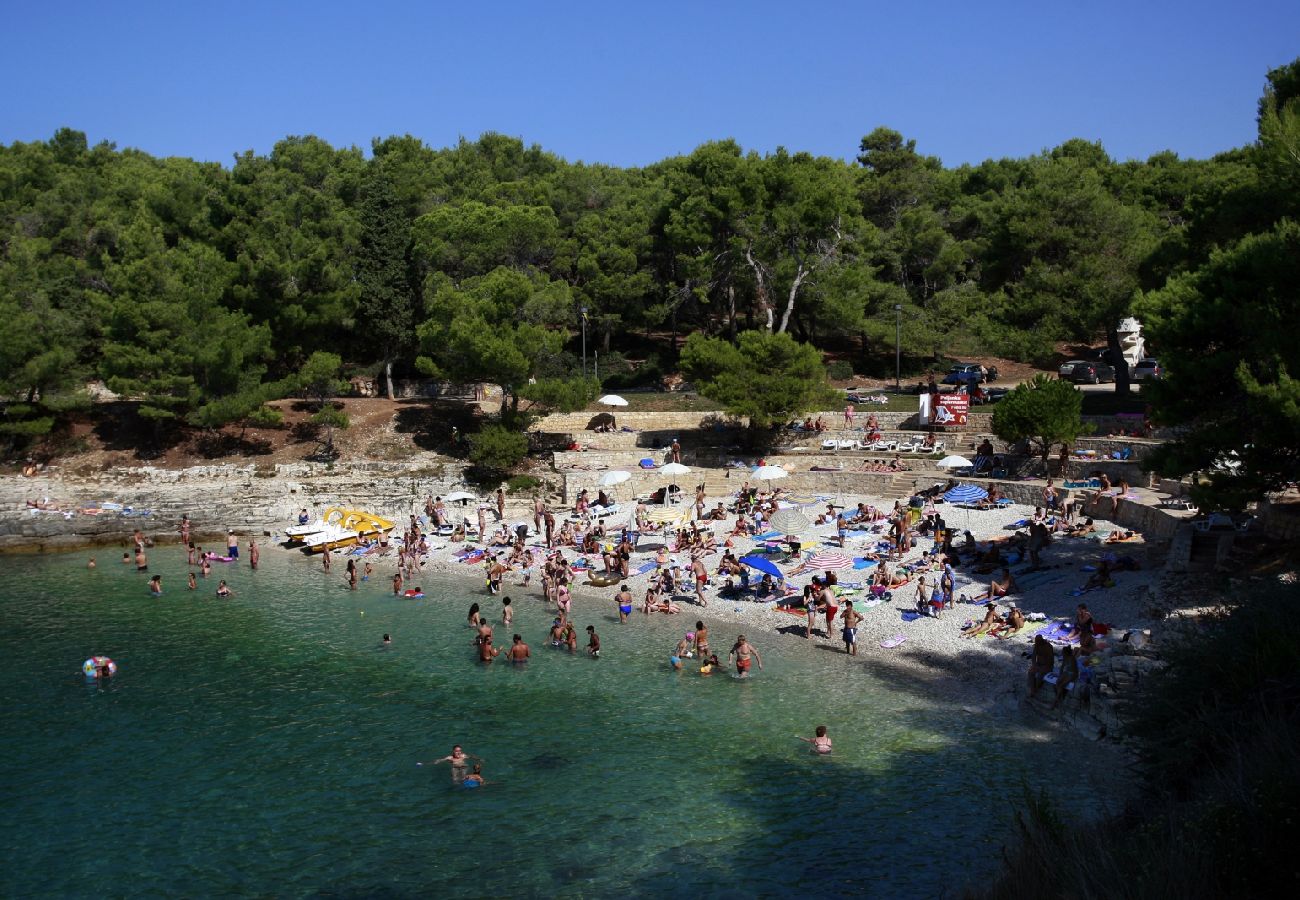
965	493
766	566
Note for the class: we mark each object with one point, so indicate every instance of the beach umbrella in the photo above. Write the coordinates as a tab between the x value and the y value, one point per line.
609	479
789	521
669	515
674	468
828	560
762	564
965	493
769	473
612	400
460	497
954	462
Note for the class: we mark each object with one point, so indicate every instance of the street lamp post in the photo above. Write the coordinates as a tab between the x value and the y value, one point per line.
583	310
898	348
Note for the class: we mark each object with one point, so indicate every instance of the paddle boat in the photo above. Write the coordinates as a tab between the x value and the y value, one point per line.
354	525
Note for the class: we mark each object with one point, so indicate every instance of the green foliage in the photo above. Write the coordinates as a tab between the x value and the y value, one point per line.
318	379
330	417
839	370
523	484
768	377
496	450
1043	411
564	395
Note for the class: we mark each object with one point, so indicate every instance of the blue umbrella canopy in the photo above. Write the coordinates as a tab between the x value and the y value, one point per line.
764	565
965	493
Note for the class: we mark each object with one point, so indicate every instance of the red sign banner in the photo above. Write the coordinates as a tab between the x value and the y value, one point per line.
951	411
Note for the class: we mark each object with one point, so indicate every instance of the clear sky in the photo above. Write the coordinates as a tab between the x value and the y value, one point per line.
631	83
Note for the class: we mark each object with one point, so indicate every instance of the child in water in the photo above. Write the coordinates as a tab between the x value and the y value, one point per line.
821	743
475	777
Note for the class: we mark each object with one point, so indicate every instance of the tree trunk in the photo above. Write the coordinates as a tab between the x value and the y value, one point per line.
731	312
1122	380
800	275
388	376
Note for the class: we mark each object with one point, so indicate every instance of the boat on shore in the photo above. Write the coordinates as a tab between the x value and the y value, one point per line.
343	528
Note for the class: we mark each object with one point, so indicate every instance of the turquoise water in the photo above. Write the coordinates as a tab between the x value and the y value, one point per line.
267	744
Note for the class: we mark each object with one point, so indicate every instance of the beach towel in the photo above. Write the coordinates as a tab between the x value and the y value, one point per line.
911	616
864	563
647	567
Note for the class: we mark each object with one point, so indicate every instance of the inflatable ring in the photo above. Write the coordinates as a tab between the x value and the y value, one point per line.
413	594
92	666
602	580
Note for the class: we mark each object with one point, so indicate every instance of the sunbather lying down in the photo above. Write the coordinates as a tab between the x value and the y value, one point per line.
1119	537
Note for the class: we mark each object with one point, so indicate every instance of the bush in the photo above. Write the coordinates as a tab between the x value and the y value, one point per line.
839	370
496	450
648	374
523	484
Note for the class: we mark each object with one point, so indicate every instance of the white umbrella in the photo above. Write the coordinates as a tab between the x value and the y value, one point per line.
768	473
460	497
612	400
954	462
674	468
789	521
609	479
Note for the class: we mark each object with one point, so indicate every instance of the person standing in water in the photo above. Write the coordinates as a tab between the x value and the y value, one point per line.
821	743
519	651
701	640
742	650
397	584
624	600
155	585
593	642
254	554
507	612
141	561
325	558
232	544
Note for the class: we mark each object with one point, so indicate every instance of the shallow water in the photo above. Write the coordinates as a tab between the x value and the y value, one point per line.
268	744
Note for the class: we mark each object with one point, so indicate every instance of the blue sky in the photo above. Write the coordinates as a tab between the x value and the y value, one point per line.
630	84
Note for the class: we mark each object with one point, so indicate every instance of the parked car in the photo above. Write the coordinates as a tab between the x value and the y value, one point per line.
1148	370
1092	373
1067	368
964	373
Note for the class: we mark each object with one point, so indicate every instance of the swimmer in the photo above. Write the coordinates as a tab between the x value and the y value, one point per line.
742	650
821	743
155	585
141	561
193	582
473	617
570	637
397	584
387	640
91	564
557	633
223	590
709	665
459	760
507	612
593	642
205	569
475	777
486	652
519	651
126	559
369	570
624	600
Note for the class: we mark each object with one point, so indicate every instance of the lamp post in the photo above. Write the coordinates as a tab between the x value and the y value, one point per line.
898	348
583	311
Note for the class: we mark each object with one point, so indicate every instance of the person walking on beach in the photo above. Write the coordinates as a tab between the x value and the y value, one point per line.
482	525
701	579
851	619
254	554
549	520
742	650
539	511
501	505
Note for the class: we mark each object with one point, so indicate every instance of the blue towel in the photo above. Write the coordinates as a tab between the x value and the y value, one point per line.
863	563
646	567
911	616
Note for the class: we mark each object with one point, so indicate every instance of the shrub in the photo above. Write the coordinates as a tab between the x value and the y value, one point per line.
523	484
839	370
496	450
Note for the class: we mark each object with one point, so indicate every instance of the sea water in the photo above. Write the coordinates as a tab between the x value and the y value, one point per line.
268	744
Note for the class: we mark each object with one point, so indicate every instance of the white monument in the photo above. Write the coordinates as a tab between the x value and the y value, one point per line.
1131	344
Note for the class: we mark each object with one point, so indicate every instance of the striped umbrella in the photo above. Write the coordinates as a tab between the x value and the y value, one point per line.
789	521
965	493
828	560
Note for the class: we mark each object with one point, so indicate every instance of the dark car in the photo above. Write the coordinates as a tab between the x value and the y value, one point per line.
1092	373
964	373
1148	370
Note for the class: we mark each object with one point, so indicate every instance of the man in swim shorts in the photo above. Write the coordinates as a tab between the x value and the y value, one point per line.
851	619
742	650
624	600
593	642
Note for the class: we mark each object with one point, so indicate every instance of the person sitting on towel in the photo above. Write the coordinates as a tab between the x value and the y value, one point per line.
1000	587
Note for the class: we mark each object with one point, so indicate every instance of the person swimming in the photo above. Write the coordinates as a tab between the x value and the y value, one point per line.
821	743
